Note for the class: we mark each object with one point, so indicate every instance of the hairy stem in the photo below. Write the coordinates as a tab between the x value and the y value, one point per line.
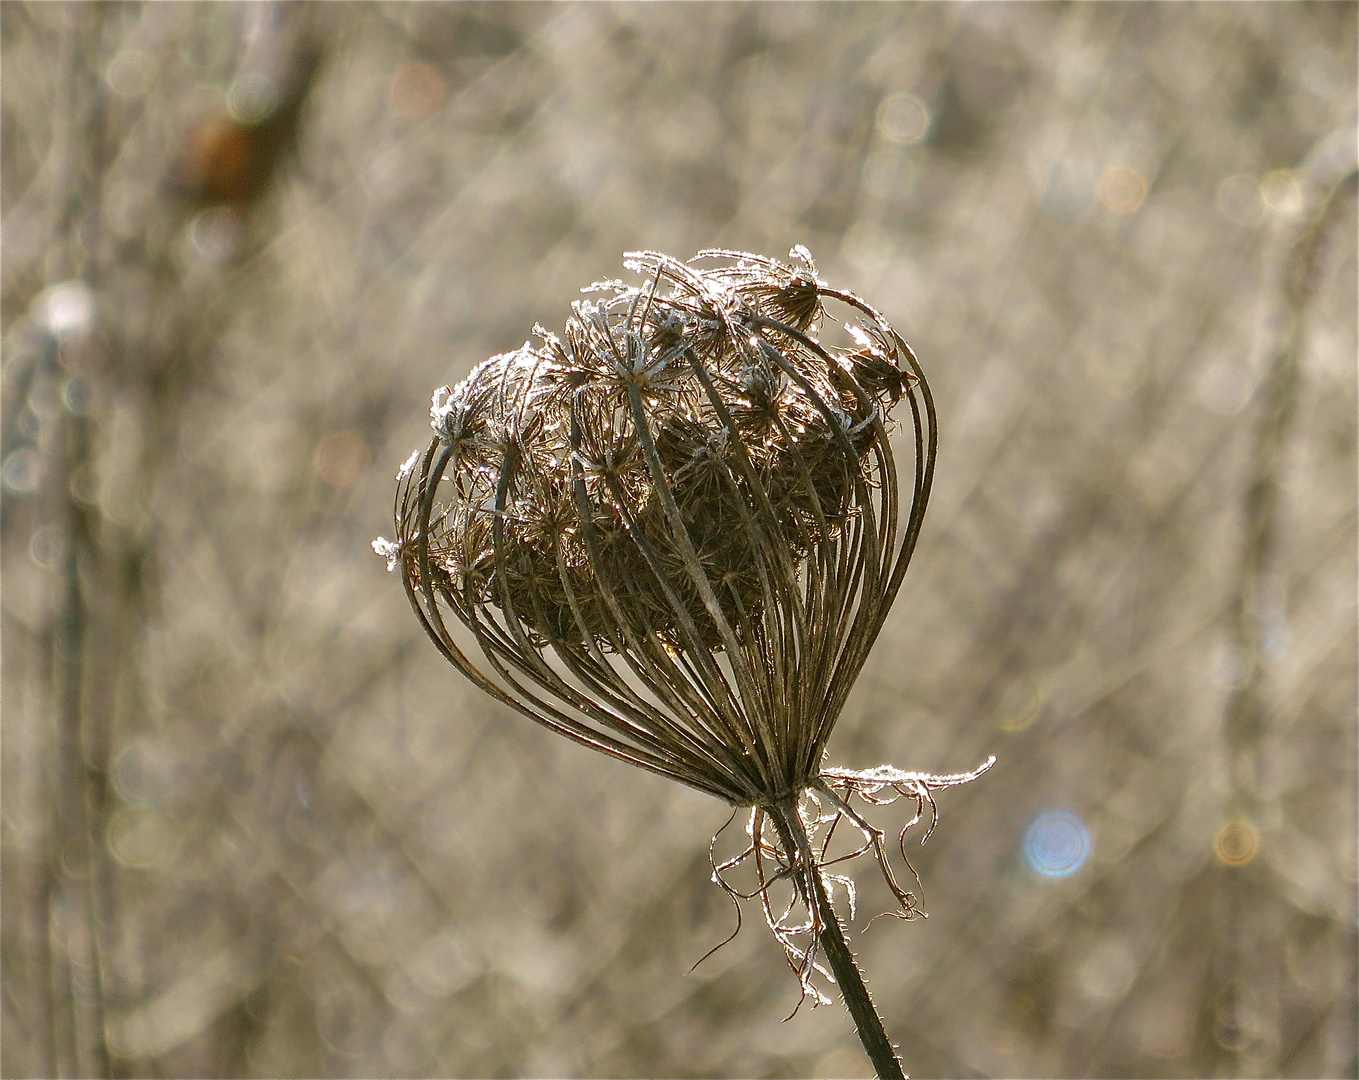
832	938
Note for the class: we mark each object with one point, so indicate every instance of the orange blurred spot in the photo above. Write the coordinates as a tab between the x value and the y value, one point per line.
231	156
1122	189
226	162
341	458
417	90
1236	843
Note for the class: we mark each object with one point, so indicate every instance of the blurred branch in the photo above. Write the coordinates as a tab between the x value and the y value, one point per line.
1249	962
105	568
78	885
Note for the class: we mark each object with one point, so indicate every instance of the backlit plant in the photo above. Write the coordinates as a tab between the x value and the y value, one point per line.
673	534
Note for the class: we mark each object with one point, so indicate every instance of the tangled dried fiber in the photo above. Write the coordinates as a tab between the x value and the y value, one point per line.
673	534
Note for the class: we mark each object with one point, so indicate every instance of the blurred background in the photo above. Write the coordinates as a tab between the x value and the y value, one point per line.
254	826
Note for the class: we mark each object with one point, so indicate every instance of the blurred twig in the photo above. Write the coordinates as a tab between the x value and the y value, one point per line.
1250	960
78	893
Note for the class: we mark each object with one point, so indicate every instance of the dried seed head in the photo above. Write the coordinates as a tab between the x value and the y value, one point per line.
673	532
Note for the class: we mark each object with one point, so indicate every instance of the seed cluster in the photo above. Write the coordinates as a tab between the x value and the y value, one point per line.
685	473
551	470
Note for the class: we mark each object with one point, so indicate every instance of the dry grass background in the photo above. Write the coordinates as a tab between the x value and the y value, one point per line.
254	826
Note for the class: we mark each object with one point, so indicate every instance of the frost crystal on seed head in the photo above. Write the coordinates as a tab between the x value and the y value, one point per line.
387	550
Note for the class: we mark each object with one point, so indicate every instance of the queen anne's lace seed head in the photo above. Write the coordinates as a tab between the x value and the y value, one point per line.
674	530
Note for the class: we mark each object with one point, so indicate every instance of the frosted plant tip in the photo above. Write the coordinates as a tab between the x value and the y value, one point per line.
387	550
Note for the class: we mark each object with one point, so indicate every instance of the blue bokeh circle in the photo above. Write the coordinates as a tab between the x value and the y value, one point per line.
1056	843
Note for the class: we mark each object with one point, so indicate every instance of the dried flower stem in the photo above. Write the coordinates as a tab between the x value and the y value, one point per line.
807	874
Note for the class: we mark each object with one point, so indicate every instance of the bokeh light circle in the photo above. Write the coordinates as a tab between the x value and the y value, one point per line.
903	119
218	233
22	470
142	839
1238	200
341	458
145	772
68	309
47	548
416	91
130	73
77	394
1056	843
1236	843
252	98
1281	193
1122	189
